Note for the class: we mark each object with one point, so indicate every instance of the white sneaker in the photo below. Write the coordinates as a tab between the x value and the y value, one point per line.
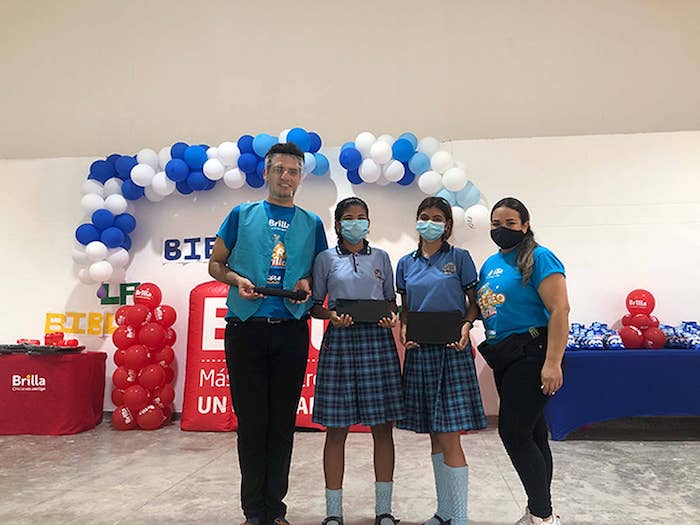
525	520
534	520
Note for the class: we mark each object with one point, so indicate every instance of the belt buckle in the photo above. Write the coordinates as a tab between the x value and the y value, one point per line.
270	320
534	332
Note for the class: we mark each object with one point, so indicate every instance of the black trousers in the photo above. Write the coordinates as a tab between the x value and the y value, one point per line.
266	365
523	429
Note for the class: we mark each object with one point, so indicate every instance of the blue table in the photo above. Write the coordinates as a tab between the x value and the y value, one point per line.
602	385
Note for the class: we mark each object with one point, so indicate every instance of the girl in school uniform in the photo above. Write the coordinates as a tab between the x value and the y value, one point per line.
358	378
441	391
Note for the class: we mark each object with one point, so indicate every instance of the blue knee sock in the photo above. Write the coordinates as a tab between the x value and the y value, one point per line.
457	489
334	502
382	494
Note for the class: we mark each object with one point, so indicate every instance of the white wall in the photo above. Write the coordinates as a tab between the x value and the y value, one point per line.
621	211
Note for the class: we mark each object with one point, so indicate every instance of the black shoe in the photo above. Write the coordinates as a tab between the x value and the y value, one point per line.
378	519
332	520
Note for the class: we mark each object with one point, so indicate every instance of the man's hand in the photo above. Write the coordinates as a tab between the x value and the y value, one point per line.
304	285
246	289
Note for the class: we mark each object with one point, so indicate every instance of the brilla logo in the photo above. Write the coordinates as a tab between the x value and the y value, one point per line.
28	382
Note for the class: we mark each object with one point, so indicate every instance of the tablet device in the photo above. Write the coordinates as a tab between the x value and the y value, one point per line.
363	310
437	328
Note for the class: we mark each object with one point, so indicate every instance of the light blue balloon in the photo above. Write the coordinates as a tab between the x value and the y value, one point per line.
322	165
448	196
468	196
262	144
409	137
419	163
347	145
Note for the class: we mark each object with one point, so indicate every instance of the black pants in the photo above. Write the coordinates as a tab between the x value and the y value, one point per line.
523	429
266	366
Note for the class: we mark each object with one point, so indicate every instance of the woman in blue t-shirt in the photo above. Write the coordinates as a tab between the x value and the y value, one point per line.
441	391
359	377
524	306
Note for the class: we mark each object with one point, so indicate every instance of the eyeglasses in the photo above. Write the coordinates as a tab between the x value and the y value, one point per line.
280	170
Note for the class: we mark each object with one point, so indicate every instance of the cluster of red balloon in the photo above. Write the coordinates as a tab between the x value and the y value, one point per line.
641	329
143	393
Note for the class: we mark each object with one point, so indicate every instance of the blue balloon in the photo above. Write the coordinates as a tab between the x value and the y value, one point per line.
177	170
247	163
419	163
300	137
102	219
350	159
86	233
354	177
127	243
102	170
195	157
124	165
260	168
113	158
411	138
183	187
468	196
112	237
262	144
245	144
347	145
131	191
448	196
314	142
322	164
211	184
177	150
402	150
408	176
125	222
197	180
254	181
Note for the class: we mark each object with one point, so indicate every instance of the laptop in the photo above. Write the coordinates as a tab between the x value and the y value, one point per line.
437	328
363	310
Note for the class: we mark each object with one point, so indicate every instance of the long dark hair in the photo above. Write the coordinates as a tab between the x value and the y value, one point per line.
442	205
526	257
344	205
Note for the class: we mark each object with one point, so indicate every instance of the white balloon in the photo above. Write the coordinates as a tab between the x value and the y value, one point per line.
93	186
164	157
477	217
228	153
96	251
364	141
454	179
234	179
152	195
430	182
101	271
394	171
214	169
429	145
309	162
113	186
283	135
441	161
79	256
213	153
116	204
162	185
142	175
92	202
118	257
369	171
389	139
149	157
457	215
380	152
84	276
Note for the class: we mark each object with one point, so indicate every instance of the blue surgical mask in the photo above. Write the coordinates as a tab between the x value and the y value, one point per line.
430	230
354	230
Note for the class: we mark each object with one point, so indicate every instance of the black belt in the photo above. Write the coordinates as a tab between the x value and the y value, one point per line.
267	320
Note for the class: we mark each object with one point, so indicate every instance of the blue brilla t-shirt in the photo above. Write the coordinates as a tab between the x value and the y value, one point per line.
279	219
507	307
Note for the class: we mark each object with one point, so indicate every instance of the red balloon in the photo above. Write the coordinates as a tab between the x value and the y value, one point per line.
169	374
124	337
117	397
164	315
123	419
654	338
164	395
123	378
152	335
631	337
626	320
150	417
136	357
640	302
641	321
136	397
118	356
654	320
152	377
170	337
164	356
137	315
120	315
148	294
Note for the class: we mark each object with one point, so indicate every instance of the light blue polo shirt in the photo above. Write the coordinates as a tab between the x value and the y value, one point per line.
341	274
438	283
507	307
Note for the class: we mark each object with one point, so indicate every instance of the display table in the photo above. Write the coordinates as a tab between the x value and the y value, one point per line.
602	385
51	394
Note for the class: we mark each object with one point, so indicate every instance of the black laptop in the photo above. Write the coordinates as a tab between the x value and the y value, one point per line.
437	328
363	310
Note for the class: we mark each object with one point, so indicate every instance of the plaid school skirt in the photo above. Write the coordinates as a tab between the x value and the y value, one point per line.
441	391
358	378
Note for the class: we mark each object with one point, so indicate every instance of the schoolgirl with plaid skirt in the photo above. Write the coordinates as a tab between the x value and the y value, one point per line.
358	379
440	388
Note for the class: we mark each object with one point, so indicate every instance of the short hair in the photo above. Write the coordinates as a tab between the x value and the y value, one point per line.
284	148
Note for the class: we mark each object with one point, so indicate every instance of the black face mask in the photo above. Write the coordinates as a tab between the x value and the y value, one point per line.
506	238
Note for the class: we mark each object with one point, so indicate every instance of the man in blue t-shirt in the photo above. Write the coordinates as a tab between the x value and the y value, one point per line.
270	243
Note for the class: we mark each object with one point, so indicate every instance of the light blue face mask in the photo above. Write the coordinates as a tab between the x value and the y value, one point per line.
430	230
354	230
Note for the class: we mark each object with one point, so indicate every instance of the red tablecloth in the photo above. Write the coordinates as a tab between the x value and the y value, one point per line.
51	394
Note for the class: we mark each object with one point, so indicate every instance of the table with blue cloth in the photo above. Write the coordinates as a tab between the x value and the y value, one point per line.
602	385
